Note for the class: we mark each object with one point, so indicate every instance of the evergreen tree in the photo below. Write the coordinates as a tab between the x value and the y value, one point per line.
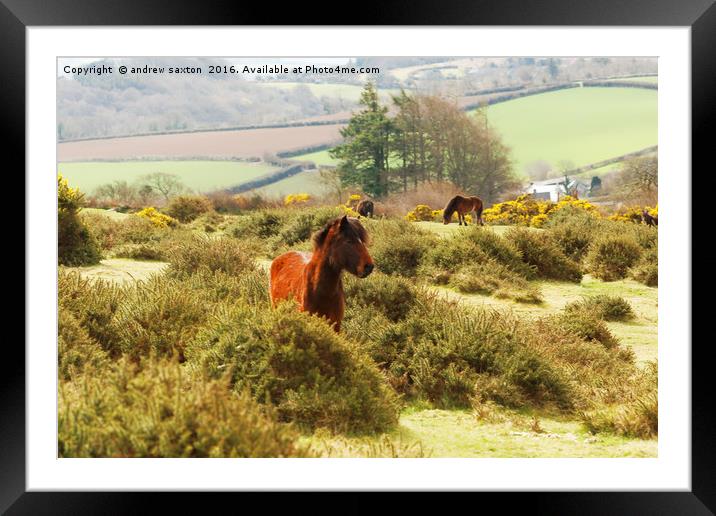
365	152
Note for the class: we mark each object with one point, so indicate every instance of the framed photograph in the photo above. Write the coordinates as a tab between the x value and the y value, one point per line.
421	253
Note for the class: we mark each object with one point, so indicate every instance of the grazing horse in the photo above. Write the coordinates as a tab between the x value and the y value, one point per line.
463	205
365	208
648	219
314	279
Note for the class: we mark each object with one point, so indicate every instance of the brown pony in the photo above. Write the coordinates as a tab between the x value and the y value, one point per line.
314	279
463	205
648	219
365	208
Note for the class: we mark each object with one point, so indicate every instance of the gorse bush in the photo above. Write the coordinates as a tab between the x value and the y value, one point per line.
76	245
93	304
158	317
646	270
392	296
609	308
475	245
492	277
398	247
610	256
211	254
157	411
186	208
296	362
145	251
157	218
638	417
130	230
588	326
75	348
540	251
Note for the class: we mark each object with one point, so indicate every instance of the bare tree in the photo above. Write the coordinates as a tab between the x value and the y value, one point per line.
167	185
331	179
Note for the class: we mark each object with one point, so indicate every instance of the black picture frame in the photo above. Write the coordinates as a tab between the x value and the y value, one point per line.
700	15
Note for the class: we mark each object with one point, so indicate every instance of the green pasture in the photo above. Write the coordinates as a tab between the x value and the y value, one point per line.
581	125
307	181
201	176
319	158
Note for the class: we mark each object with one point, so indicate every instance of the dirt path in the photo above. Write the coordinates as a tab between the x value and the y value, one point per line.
121	270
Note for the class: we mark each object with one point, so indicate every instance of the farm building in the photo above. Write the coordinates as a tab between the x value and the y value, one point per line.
553	189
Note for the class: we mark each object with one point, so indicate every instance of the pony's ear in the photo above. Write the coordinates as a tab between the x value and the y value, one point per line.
320	236
344	222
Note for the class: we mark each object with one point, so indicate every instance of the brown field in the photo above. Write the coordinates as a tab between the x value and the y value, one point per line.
218	144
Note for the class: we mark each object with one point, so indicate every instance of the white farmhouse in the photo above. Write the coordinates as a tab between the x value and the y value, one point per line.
553	189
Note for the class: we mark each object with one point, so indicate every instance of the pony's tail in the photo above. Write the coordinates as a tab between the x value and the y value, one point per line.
449	209
479	213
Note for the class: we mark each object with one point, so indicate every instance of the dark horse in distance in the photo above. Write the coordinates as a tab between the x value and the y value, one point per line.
314	279
648	219
365	208
463	205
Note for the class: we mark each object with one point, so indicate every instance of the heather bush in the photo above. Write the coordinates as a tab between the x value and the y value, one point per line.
186	208
539	250
262	224
609	308
588	326
158	411
610	256
296	362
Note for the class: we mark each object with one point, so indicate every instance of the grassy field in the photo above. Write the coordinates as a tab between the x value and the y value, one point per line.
582	125
319	158
202	176
307	181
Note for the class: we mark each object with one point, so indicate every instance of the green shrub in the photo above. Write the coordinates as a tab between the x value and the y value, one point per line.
93	304
440	349
145	251
572	232
186	208
610	257
397	246
646	270
212	254
75	244
130	230
609	308
638	417
491	277
500	250
297	362
157	411
389	295
262	224
588	326
75	348
539	250
158	317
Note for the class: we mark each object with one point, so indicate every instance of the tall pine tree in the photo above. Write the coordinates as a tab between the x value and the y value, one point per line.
366	148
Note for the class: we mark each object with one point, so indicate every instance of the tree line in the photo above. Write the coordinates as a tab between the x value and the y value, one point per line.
423	139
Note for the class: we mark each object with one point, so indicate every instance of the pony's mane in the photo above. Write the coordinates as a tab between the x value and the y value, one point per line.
355	228
451	207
